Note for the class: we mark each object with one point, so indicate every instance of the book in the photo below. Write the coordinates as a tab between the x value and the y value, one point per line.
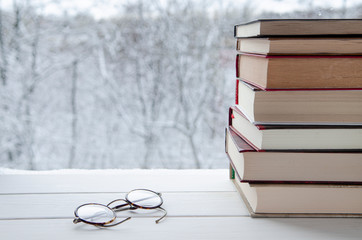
291	167
298	27
301	46
297	71
296	137
301	200
299	106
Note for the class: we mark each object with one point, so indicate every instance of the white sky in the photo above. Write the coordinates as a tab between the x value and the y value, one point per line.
105	8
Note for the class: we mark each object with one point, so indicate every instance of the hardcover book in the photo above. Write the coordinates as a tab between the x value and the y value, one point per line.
294	140
301	200
299	106
291	166
299	27
296	137
301	46
286	72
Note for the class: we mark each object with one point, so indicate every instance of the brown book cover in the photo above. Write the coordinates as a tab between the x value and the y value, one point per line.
299	27
300	71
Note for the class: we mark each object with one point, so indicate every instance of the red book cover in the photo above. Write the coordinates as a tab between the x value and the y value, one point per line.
237	92
240	143
243	146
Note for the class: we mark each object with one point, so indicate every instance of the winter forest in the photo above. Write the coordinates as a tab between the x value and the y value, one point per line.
147	88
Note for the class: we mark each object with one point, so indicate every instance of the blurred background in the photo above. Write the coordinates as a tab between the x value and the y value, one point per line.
125	84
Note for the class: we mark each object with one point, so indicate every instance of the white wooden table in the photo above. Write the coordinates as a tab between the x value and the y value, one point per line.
201	204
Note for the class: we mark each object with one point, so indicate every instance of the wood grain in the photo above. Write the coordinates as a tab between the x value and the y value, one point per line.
201	205
199	228
176	204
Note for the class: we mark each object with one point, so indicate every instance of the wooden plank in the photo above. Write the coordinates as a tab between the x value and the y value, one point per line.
187	228
117	180
177	204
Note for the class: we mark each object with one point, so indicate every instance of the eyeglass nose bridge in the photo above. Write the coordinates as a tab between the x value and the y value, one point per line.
119	207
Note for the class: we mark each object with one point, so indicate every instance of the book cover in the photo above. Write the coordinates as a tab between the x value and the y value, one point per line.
266	126
299	27
299	106
297	137
300	46
248	203
300	71
291	166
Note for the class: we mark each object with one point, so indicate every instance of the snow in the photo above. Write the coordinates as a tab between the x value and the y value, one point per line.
148	88
143	172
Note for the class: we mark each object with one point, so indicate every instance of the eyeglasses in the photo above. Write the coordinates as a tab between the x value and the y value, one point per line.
105	215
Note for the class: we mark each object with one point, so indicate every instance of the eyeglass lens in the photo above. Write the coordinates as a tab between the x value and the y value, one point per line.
98	214
144	198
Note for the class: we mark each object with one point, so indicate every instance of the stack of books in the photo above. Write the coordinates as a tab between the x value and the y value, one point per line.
294	138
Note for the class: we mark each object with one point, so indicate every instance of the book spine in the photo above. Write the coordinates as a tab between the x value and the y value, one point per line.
237	92
232	172
237	65
231	116
226	146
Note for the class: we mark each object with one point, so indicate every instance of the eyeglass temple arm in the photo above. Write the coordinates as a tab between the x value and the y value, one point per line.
115	224
164	215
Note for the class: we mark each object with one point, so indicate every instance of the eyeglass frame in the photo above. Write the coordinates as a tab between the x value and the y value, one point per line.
132	206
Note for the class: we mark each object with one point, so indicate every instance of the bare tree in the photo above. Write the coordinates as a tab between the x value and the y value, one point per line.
73	101
146	89
3	62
